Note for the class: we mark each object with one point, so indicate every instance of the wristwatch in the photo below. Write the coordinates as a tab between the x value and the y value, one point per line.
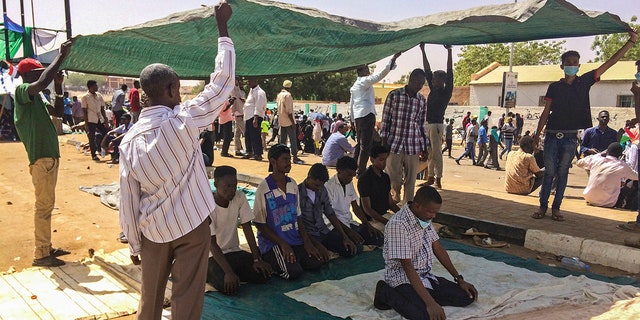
458	278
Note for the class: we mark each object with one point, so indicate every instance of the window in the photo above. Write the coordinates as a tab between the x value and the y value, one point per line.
625	101
541	101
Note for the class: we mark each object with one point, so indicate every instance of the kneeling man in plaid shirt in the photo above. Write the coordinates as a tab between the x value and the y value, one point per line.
410	243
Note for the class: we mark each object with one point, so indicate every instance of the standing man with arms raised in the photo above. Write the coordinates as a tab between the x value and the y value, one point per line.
285	118
567	109
165	198
363	109
404	120
441	88
40	139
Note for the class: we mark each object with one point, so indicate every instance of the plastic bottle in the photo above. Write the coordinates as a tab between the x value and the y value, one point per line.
574	263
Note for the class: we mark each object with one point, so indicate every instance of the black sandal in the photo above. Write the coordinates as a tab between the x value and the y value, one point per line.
538	215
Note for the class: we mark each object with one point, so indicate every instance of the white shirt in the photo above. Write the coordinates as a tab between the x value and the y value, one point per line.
256	104
363	99
93	103
341	199
606	173
224	222
164	190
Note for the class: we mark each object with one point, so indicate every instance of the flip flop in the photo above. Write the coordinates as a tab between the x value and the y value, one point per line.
538	215
447	232
629	226
488	242
474	232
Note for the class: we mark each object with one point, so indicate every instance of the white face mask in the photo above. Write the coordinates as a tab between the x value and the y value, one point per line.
638	76
424	224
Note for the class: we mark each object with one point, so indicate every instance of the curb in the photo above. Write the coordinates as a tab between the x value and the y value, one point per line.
607	254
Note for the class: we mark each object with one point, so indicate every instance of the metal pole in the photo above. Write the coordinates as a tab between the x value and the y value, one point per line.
67	16
510	64
6	31
33	30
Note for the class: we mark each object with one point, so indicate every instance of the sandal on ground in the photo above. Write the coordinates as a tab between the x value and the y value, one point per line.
538	215
630	226
488	242
557	216
448	232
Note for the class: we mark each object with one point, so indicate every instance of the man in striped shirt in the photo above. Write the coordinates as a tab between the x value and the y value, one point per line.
165	198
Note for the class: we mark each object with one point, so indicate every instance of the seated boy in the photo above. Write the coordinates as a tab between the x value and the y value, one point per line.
314	203
229	264
410	244
374	186
343	194
282	237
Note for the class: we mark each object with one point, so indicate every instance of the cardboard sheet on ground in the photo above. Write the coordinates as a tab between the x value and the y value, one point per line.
503	290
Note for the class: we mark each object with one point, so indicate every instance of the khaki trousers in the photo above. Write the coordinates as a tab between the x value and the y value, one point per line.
186	260
402	170
237	136
44	176
434	131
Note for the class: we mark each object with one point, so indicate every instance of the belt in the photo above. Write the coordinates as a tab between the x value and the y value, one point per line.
561	133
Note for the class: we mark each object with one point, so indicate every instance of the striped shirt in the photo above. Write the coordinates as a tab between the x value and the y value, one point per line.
404	122
404	238
164	191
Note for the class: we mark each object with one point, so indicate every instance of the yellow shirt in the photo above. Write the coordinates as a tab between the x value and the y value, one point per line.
520	170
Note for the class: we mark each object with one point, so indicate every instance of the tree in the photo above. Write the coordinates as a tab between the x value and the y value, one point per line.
606	45
404	79
326	86
474	58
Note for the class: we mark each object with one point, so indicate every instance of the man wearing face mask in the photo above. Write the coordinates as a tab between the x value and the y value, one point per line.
567	109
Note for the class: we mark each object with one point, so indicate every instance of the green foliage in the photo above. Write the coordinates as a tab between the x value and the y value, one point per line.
79	80
606	45
404	79
198	88
474	58
328	86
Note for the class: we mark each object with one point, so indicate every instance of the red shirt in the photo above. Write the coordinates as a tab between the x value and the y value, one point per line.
134	100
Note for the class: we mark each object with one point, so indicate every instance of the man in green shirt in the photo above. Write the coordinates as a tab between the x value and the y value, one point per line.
40	139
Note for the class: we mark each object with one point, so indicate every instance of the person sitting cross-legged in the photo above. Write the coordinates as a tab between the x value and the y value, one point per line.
410	244
229	264
111	140
522	175
314	206
374	186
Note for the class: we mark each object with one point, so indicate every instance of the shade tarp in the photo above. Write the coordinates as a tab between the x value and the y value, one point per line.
274	38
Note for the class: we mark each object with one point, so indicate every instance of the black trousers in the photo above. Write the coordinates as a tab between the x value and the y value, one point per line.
364	134
227	134
407	303
252	138
242	264
449	143
368	239
117	115
291	271
94	142
333	242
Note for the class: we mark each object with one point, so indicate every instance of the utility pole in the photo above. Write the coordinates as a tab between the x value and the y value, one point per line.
67	16
6	31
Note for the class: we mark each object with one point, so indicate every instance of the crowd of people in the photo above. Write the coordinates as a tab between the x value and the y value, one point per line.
176	226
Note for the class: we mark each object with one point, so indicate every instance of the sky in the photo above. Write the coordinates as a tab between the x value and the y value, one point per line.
94	17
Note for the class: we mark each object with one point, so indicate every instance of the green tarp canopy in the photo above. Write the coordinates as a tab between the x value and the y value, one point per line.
274	38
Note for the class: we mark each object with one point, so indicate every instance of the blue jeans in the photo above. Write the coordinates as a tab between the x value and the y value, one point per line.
507	147
469	151
558	154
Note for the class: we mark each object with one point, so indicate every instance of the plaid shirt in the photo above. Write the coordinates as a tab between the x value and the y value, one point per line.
404	122
404	238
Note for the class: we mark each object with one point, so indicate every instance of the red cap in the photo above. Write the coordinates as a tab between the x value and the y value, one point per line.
29	64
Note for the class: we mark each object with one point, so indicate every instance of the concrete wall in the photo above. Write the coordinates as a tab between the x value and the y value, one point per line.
602	94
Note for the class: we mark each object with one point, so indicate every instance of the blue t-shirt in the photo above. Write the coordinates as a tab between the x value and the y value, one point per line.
67	106
279	211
